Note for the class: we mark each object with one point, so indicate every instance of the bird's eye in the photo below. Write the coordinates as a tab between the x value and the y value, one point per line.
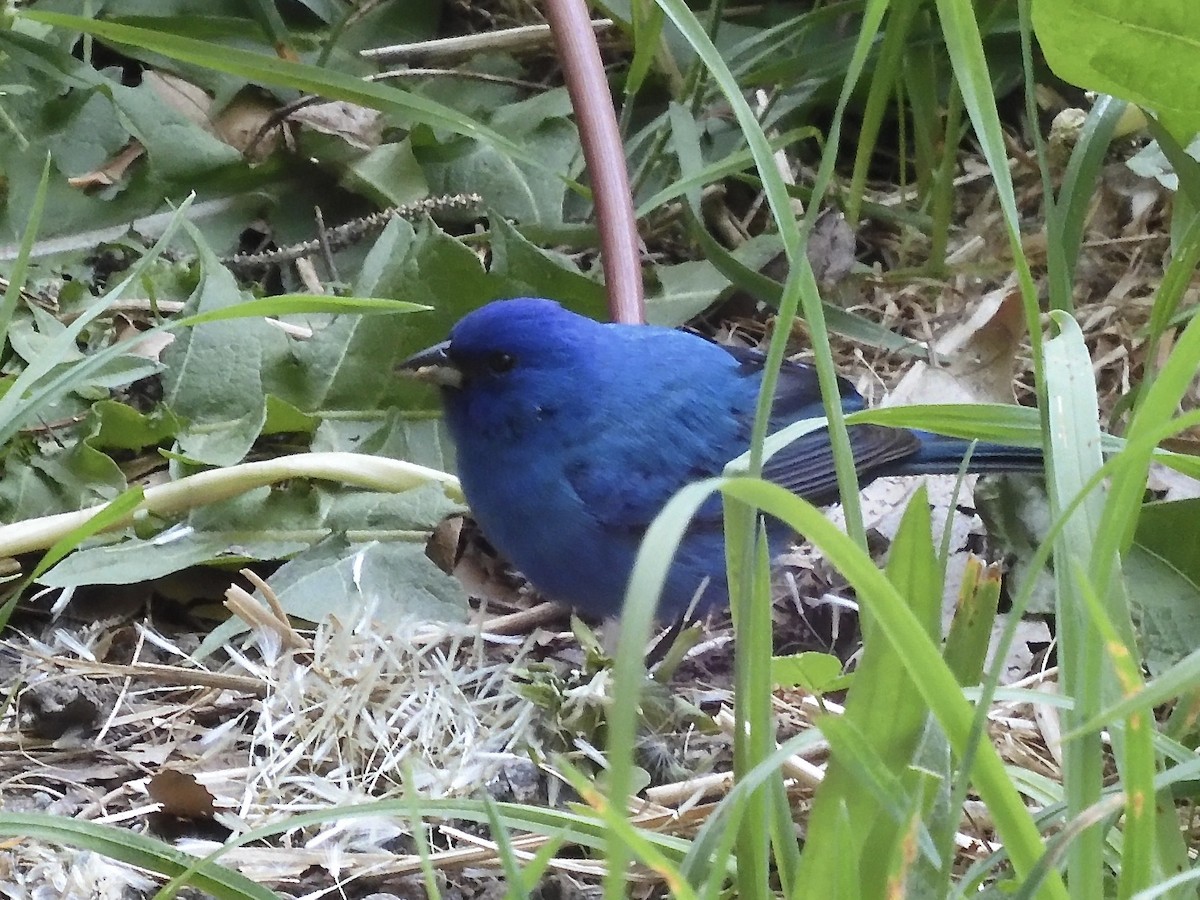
501	362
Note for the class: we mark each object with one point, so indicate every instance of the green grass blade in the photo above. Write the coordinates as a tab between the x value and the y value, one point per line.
26	396
260	68
754	722
1136	748
884	78
886	710
20	267
974	616
510	865
1079	182
723	168
801	283
621	830
118	510
902	630
135	849
1075	454
965	47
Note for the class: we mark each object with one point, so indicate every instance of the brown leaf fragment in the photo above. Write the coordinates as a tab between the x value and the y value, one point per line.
112	171
831	247
982	353
241	124
358	126
52	708
181	795
150	347
182	96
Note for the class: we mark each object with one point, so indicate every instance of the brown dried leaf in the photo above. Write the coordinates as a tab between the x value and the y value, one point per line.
181	795
831	247
982	354
240	123
150	347
112	171
356	125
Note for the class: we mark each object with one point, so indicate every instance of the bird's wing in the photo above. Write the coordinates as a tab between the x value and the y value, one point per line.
701	419
658	428
654	463
805	466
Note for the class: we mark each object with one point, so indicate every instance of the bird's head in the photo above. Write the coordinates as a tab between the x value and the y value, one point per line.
509	365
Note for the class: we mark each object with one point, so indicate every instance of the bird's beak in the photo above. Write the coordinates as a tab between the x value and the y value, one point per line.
433	366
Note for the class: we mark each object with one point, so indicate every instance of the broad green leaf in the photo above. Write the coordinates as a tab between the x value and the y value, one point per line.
105	518
389	175
510	185
1172	532
283	418
177	147
528	270
266	69
421	264
214	374
261	524
1142	52
135	560
819	673
1151	162
687	289
1165	600
397	583
402	434
38	485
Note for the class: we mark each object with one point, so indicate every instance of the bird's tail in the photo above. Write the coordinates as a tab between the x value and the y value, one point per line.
941	455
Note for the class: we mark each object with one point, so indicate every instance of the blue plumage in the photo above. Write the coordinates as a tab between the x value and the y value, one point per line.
572	435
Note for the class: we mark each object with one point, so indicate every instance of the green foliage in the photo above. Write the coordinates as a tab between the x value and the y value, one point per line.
139	850
1142	52
250	375
875	740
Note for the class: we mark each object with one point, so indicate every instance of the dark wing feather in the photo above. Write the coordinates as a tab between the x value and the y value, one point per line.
805	466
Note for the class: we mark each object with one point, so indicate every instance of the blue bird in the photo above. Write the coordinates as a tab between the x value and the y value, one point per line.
572	435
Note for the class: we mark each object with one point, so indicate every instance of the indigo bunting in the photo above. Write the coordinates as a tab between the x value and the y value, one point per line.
572	435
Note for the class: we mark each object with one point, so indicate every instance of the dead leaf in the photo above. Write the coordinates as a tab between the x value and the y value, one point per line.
52	708
241	122
981	354
149	347
181	795
356	125
112	171
831	247
1173	485
238	125
444	543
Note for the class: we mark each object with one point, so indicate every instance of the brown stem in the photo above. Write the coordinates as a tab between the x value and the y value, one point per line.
604	154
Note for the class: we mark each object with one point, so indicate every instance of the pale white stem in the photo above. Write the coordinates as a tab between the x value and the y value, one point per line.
358	470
